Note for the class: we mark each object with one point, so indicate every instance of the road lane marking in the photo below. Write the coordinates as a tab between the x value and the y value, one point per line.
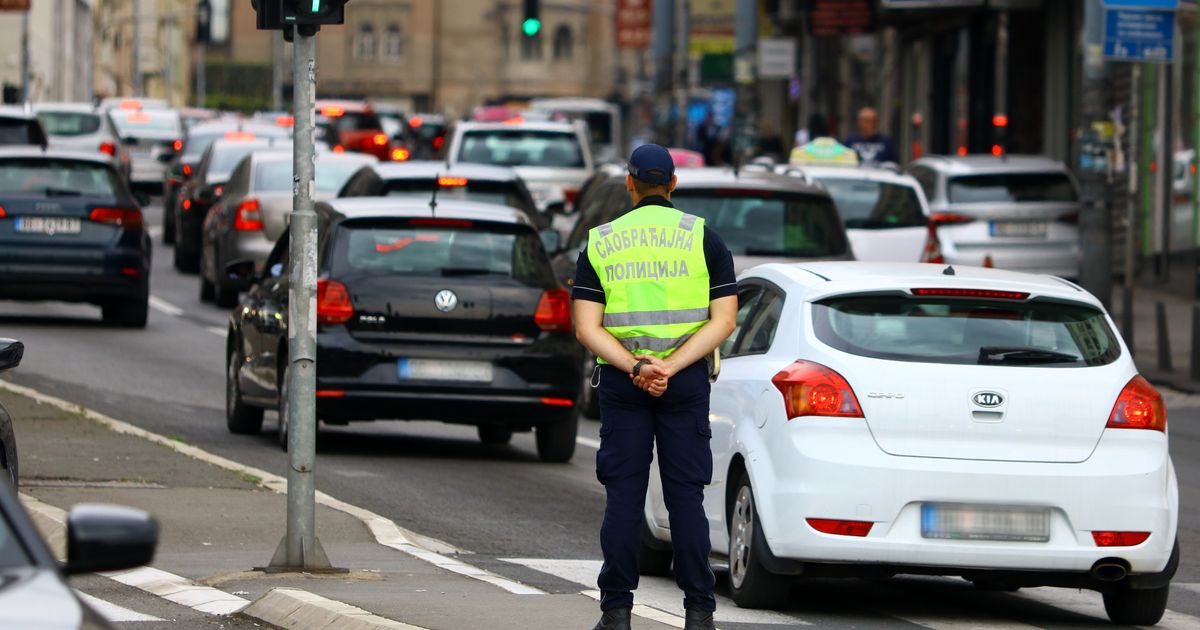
588	442
165	307
113	612
385	531
155	231
180	590
216	330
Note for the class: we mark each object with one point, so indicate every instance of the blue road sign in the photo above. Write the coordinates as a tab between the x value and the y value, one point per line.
1139	35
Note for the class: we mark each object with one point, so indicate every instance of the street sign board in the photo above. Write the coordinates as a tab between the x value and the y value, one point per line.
710	23
840	17
634	19
776	58
1139	35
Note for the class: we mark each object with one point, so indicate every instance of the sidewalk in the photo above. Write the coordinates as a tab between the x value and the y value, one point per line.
1145	335
217	526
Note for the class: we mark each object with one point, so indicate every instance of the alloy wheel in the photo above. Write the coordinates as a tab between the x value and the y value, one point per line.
741	533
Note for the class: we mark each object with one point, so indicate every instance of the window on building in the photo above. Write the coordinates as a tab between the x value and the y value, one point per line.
393	43
564	43
531	47
366	45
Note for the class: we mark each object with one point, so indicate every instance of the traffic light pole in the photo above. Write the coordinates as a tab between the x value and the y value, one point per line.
300	549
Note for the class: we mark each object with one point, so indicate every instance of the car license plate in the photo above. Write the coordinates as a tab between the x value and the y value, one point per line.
49	225
1023	229
958	521
436	370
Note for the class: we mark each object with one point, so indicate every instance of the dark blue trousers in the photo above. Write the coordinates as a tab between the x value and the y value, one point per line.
631	422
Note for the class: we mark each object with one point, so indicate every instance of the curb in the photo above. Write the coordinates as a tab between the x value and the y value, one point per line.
294	608
50	521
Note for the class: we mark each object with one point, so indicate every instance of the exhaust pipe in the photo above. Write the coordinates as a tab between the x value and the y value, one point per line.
1110	570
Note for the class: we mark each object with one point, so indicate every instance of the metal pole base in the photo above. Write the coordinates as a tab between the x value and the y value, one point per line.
312	560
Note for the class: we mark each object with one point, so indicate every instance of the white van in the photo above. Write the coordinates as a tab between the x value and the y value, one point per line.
603	120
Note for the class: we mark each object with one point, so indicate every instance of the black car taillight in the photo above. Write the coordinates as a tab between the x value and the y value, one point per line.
554	311
333	302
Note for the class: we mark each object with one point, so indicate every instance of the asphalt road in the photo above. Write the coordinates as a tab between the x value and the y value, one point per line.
495	502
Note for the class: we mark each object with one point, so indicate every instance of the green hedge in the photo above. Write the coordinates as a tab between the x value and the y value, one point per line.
244	87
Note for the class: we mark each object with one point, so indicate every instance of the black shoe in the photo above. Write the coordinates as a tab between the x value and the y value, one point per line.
698	620
615	619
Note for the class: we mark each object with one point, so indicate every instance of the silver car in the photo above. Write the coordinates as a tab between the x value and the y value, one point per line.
152	136
252	213
1015	212
81	127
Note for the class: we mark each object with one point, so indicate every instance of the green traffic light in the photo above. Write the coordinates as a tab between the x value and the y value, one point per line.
531	27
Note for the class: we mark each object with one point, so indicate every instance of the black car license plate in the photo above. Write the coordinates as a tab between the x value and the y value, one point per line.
49	226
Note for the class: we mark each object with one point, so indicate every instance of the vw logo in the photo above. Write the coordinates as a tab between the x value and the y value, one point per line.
445	300
988	399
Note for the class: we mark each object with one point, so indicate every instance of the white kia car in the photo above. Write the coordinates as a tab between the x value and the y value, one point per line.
878	419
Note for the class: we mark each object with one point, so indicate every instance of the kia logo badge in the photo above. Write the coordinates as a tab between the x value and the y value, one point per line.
988	399
445	301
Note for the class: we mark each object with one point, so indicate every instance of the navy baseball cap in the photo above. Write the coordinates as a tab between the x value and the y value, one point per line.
652	164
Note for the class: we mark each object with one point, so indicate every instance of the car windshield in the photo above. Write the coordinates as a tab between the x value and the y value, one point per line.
198	142
12	552
351	121
428	131
331	175
522	147
503	193
449	248
599	124
148	123
69	123
962	331
17	131
875	205
1012	188
768	222
56	178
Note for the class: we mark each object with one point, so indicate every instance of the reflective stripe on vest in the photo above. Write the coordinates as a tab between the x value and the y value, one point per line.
651	266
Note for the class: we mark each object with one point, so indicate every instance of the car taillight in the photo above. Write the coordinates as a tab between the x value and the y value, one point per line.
187	204
249	217
1119	539
554	311
108	148
187	169
984	294
3	213
438	142
400	154
124	218
840	528
949	218
379	139
337	148
811	389
218	191
177	145
333	302
570	194
1139	406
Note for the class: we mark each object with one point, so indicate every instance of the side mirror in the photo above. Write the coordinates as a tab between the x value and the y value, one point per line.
11	352
556	208
109	538
551	240
241	273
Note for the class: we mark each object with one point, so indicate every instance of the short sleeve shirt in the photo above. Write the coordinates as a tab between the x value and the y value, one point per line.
721	275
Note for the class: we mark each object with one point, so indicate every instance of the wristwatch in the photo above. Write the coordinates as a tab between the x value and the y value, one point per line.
637	367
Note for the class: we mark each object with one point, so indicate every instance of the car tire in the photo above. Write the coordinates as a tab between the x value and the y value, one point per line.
751	585
556	440
185	261
240	418
207	290
168	235
1136	607
131	313
655	556
495	434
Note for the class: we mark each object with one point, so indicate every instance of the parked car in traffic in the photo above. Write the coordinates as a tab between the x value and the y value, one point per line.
1017	212
20	127
200	191
253	212
81	127
360	130
427	135
152	137
961	421
71	230
199	137
553	158
450	314
11	352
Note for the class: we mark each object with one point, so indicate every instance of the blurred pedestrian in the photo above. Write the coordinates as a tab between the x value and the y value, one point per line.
871	145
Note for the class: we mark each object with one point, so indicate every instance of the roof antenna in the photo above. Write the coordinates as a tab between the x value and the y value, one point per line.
433	200
948	271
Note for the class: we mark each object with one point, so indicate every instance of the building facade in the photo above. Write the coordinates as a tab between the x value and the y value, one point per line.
163	43
60	40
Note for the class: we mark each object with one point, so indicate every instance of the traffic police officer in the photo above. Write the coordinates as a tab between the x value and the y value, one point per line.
655	293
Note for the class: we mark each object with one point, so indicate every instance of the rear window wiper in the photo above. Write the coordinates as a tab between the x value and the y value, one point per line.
468	271
1002	354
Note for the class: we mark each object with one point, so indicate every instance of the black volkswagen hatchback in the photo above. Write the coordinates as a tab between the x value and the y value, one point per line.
70	229
453	315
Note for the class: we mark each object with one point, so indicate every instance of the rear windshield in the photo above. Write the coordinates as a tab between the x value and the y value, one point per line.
502	193
1012	188
374	247
966	331
768	223
599	124
276	176
867	205
358	122
225	157
17	131
429	131
151	123
56	178
522	147
69	123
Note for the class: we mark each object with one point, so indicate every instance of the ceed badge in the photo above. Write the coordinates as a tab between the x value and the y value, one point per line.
990	400
445	300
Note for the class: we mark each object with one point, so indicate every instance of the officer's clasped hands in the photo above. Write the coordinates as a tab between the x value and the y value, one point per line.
653	377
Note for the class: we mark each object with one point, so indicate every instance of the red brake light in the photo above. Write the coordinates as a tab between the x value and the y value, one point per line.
1139	406
187	169
558	402
337	148
285	121
1000	120
124	218
2	213
452	182
415	121
811	389
400	154
380	139
108	148
187	204
949	218
986	294
438	142
331	393
997	150
218	191
131	104
840	528
333	302
463	223
177	145
962	150
570	194
554	311
249	217
138	117
1119	539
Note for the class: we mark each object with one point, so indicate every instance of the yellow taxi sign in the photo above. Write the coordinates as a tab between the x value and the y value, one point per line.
824	151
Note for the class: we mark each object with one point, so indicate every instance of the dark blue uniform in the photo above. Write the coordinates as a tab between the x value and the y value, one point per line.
631	422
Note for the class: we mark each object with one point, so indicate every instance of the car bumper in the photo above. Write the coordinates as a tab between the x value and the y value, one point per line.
829	469
1061	259
76	277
